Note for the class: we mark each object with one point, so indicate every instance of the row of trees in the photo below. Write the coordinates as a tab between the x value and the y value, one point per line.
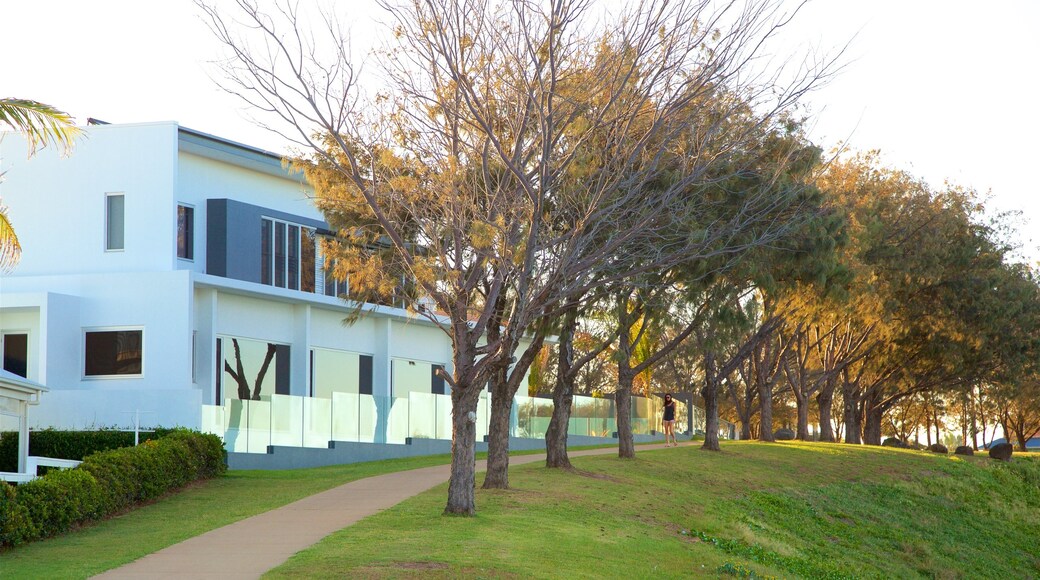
915	318
635	183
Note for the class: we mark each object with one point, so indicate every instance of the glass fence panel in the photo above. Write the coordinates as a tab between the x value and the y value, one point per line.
258	433
640	416
346	416
287	420
250	426
682	417
422	415
236	426
483	416
369	419
317	422
213	420
397	421
443	413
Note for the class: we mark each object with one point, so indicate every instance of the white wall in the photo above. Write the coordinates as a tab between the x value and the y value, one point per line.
200	179
58	205
157	302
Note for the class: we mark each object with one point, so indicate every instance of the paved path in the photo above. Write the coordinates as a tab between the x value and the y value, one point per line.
250	547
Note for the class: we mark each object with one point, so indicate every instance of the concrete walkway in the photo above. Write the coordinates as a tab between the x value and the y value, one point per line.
250	547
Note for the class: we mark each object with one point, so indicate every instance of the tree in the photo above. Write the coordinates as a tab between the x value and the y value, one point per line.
459	176
41	125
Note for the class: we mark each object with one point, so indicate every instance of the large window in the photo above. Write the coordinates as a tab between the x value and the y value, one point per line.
185	232
286	255
113	352
16	353
251	369
114	221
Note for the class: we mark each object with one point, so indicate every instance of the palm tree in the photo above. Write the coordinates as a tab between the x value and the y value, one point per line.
41	125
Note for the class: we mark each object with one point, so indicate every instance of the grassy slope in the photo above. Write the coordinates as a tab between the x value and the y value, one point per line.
754	510
209	505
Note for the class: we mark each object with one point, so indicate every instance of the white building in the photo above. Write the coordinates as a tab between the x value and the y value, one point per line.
152	255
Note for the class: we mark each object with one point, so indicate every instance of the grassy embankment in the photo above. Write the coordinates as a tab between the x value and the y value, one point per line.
753	511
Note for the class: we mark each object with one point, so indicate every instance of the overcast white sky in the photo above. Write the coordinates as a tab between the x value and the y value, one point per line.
947	89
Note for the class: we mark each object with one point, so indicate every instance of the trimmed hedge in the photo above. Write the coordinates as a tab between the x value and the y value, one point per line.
68	444
106	483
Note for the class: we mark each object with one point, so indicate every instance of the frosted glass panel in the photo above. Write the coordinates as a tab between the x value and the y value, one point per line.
236	427
422	415
397	424
213	420
259	431
346	417
317	422
443	416
287	420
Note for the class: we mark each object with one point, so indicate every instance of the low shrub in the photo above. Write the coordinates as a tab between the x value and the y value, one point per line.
106	482
68	444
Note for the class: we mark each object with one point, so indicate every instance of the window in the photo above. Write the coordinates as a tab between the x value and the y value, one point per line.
114	210
250	369
16	354
113	353
185	232
333	287
286	255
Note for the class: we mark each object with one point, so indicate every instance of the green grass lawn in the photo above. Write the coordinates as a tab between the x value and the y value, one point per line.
753	511
207	505
203	507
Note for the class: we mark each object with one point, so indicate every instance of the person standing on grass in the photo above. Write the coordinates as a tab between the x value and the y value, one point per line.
669	419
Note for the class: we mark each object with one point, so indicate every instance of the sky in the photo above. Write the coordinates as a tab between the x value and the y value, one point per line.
945	89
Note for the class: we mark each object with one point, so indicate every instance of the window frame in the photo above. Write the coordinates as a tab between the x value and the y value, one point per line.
189	237
108	221
28	346
83	351
288	251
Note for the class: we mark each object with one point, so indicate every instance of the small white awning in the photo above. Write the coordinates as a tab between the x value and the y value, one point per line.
15	387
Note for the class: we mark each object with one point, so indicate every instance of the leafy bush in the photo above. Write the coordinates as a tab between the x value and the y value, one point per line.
105	483
67	444
14	518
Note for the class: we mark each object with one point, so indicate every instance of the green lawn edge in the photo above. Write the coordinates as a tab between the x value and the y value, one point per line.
202	507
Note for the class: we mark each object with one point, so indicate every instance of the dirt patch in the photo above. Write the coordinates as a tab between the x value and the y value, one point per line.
424	570
595	475
420	565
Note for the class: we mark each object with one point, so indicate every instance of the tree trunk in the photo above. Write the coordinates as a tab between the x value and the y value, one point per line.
825	401
850	401
563	395
765	413
556	435
462	484
497	476
802	406
710	393
623	400
872	426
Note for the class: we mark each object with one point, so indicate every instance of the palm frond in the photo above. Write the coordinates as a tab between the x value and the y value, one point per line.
40	123
10	249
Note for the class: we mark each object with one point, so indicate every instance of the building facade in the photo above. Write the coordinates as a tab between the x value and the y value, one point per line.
166	272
